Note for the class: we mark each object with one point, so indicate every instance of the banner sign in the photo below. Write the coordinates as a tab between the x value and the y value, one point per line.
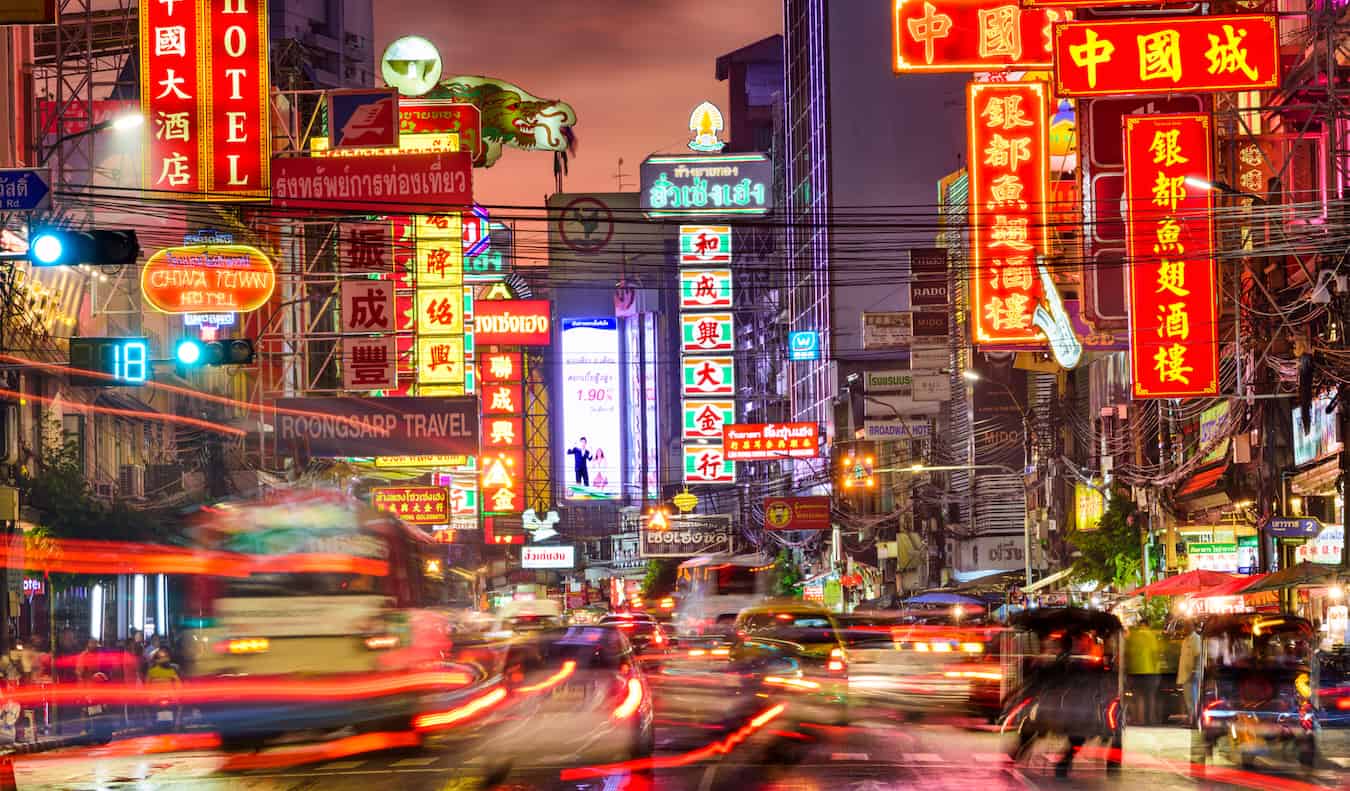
768	441
513	322
706	419
797	513
1168	55
363	118
1174	344
705	244
687	535
391	426
896	429
1009	170
416	505
464	120
705	289
970	35
1293	526
706	332
204	72
709	185
367	306
546	557
708	376
708	464
425	183
370	363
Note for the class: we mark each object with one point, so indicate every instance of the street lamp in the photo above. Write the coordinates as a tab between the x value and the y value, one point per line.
122	123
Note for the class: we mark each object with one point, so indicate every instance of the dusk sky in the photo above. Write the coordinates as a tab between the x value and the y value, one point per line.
632	69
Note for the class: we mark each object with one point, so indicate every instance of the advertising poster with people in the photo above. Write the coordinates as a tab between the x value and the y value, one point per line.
591	448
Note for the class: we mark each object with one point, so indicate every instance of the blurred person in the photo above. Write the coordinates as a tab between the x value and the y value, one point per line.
1188	669
1143	653
162	670
87	662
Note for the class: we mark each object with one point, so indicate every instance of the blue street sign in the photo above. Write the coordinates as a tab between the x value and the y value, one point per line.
803	346
25	189
1293	526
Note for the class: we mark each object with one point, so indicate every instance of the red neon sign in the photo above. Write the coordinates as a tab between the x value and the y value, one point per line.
1174	343
1009	169
500	367
513	322
171	70
971	35
204	76
1192	54
237	133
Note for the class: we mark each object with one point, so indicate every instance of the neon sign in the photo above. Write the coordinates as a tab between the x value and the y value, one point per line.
970	35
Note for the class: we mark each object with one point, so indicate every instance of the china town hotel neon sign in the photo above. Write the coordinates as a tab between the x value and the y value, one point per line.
204	78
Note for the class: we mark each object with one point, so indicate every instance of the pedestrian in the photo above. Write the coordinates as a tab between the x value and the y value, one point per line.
1142	658
87	662
1188	669
162	670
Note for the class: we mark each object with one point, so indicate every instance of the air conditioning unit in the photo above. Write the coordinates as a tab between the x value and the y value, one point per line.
131	481
104	490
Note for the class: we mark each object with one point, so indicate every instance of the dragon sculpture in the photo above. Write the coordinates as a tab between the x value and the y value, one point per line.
511	117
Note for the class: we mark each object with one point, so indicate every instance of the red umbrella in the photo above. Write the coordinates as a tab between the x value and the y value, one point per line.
1191	582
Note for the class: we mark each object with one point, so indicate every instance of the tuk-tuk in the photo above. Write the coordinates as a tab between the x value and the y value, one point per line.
1258	688
1064	676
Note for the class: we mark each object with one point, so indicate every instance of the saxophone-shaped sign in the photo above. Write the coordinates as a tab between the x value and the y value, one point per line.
201	278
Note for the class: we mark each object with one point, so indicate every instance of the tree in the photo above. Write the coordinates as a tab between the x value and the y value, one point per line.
660	578
1111	553
60	493
788	576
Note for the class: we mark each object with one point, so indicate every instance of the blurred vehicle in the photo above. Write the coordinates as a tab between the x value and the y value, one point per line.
1066	679
529	615
1333	689
585	616
336	592
939	664
580	693
646	634
790	651
1258	689
710	586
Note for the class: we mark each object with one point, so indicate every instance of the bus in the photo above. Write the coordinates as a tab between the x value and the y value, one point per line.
711	589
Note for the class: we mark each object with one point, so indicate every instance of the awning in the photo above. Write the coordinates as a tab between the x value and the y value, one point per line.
1205	489
1042	584
1233	587
1198	581
1317	481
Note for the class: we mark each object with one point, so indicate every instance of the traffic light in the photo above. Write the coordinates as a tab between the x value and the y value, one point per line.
191	353
858	472
62	247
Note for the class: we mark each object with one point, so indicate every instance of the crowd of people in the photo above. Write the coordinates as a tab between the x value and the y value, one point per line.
1164	671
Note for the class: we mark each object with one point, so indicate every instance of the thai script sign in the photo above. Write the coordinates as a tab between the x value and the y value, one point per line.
1168	55
390	426
199	278
767	441
797	513
970	35
685	535
560	557
405	182
514	322
417	505
1009	169
1174	344
465	121
710	185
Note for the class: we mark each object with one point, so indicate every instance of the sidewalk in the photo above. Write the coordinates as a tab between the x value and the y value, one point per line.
1173	743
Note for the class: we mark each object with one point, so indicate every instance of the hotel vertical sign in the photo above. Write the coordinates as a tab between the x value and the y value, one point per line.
204	78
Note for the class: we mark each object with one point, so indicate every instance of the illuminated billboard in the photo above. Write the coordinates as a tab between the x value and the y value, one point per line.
1174	344
204	69
591	450
232	278
1009	167
970	35
1167	55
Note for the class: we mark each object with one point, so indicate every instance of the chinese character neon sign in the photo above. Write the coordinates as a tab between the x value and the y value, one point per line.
1169	55
1008	194
1173	315
970	35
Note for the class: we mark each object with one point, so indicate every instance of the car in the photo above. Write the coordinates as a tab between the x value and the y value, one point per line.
647	635
579	694
794	652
